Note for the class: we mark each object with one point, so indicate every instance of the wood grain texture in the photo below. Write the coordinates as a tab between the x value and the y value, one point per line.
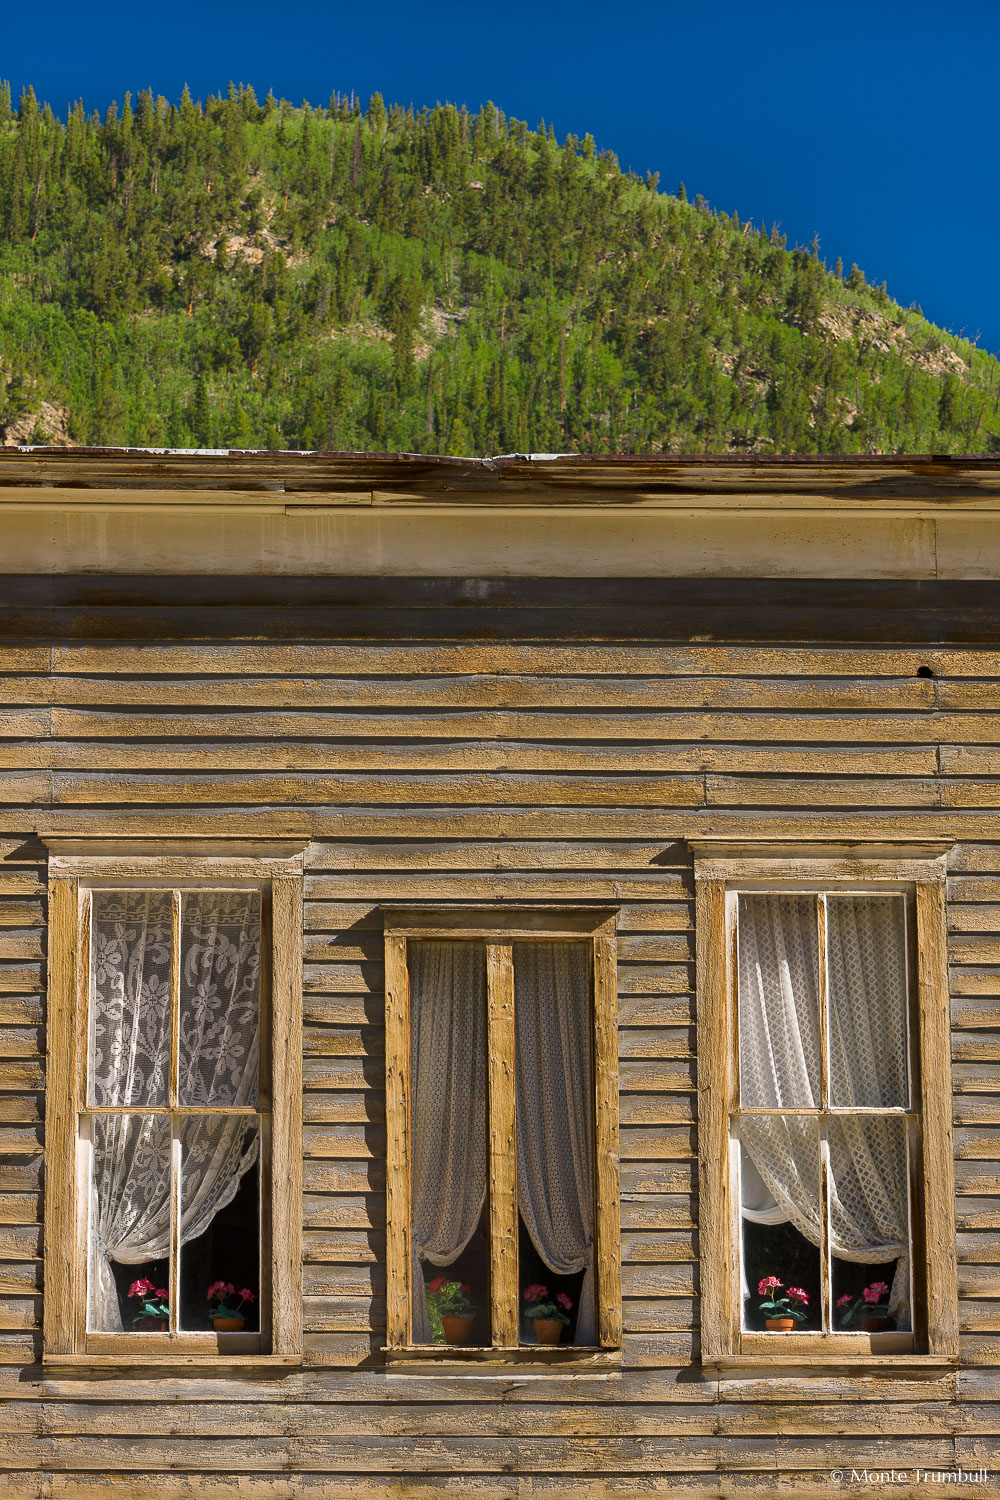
939	1169
606	1145
440	770
715	1214
286	1114
61	1104
397	1118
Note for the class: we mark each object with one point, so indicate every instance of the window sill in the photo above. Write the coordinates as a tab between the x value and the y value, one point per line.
170	1363
424	1357
823	1345
864	1359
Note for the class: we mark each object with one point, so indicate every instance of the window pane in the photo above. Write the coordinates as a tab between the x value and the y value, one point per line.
780	1201
129	1217
778	1001
555	1133
869	1214
448	1139
220	1220
220	997
130	997
866	955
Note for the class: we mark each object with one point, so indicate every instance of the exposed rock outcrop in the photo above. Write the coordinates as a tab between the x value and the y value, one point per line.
49	425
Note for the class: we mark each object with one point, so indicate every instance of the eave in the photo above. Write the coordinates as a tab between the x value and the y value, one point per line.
170	512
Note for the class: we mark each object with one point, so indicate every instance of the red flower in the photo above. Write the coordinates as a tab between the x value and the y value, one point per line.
162	1292
564	1302
875	1292
798	1295
842	1301
247	1295
535	1292
768	1284
141	1287
436	1285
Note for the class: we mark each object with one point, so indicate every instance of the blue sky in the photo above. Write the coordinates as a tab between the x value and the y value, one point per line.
870	123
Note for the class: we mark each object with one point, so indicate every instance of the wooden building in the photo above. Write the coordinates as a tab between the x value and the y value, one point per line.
571	877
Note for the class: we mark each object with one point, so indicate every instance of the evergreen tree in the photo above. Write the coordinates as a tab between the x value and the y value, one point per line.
200	419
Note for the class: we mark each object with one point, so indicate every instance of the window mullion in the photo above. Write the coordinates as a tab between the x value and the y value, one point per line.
79	1201
824	1005
175	1126
502	1145
175	1223
825	1270
175	995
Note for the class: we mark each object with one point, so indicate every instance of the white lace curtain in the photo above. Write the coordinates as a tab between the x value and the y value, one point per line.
555	1116
780	1067
447	1107
553	1101
130	1066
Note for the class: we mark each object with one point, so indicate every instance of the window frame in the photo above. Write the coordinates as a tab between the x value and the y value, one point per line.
498	930
276	871
921	876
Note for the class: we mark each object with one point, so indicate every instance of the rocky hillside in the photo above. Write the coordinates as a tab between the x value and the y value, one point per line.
250	274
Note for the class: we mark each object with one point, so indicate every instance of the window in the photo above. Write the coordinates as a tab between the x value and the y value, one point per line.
824	1108
502	1123
173	1105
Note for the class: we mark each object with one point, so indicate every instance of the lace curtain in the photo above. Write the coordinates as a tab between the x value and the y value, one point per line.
130	1066
780	1067
555	1125
448	1118
447	1107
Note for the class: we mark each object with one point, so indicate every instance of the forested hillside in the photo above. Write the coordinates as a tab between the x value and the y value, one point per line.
246	274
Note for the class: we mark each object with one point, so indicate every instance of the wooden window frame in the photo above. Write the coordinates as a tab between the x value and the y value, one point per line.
498	930
76	868
921	876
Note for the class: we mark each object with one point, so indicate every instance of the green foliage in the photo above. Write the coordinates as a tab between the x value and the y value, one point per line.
258	275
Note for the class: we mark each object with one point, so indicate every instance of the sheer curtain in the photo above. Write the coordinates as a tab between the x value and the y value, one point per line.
447	1107
555	1125
130	1066
780	1067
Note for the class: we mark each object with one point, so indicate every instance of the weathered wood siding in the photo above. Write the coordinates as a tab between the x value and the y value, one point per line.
464	748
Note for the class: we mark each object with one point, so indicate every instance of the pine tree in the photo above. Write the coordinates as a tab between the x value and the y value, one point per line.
200	417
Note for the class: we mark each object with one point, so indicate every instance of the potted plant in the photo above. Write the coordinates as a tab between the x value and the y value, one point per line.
453	1304
869	1312
550	1315
154	1313
226	1315
781	1313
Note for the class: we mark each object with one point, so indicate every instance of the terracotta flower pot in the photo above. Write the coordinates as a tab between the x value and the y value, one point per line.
457	1327
548	1330
150	1325
779	1325
873	1325
228	1325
